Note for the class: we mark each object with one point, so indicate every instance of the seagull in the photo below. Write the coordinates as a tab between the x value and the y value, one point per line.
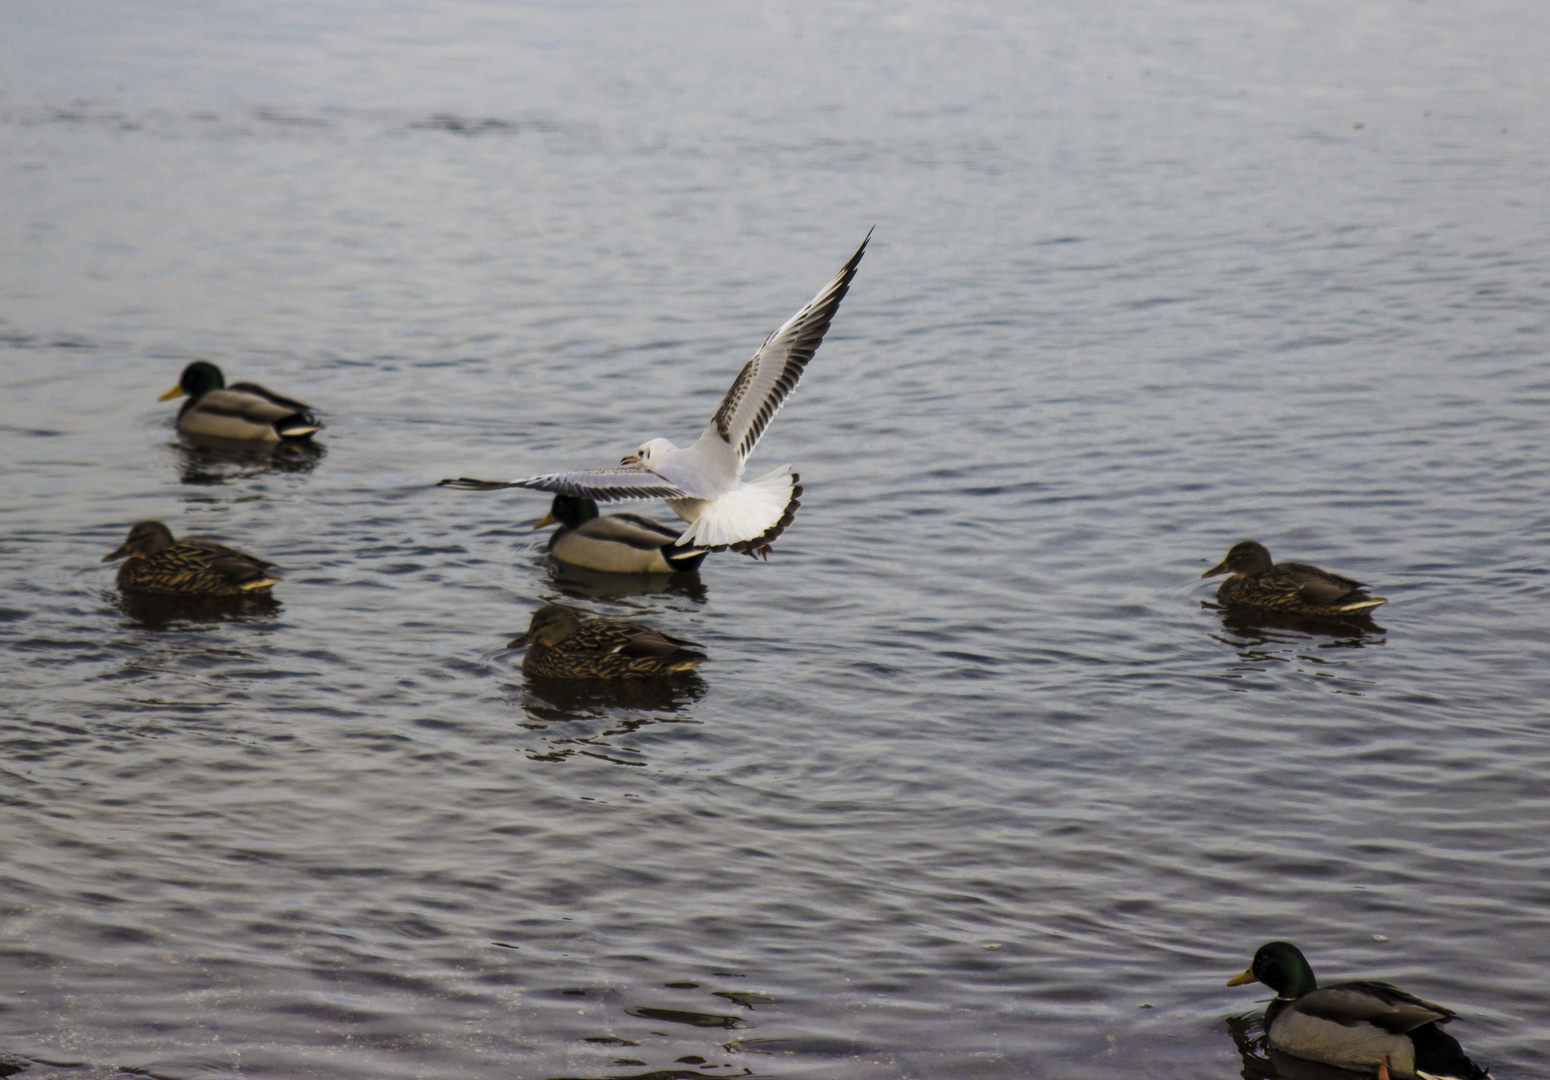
703	483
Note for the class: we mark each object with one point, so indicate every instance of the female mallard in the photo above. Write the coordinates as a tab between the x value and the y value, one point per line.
618	543
243	411
156	563
1355	1025
1290	588
561	646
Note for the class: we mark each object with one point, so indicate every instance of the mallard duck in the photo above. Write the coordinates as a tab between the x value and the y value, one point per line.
560	645
242	411
156	563
1290	588
1355	1025
618	543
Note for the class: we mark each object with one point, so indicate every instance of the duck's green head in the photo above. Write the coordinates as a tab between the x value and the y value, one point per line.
1248	557
1280	966
569	510
551	625
146	538
197	378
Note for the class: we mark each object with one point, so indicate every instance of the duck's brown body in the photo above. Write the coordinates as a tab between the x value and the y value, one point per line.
156	563
1289	588
560	645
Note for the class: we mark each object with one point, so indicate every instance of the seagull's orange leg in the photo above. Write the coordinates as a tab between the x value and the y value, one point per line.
1383	1067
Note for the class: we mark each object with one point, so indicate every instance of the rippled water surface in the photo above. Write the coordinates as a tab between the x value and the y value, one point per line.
975	784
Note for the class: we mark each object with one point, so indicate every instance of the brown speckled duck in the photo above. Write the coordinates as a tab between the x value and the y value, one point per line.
243	411
1363	1026
1289	588
156	563
560	645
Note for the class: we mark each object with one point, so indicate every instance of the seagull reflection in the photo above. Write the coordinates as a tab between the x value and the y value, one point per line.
205	460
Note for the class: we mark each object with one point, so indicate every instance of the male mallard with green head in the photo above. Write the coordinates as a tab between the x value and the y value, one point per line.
156	563
1290	588
242	411
1355	1025
562	646
617	543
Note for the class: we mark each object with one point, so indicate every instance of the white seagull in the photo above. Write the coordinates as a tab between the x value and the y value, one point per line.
704	483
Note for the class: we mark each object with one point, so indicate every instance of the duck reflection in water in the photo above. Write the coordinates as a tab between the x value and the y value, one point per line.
584	584
559	700
1267	627
163	611
204	460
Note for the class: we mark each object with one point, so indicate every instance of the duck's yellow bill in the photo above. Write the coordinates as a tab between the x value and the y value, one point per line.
1239	980
547	519
176	391
1219	568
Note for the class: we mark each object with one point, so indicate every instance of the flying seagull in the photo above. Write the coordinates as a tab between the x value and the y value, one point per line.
704	483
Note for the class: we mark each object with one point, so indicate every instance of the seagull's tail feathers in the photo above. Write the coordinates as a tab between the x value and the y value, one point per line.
749	517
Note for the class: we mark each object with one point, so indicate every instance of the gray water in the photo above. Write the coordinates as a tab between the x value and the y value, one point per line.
976	783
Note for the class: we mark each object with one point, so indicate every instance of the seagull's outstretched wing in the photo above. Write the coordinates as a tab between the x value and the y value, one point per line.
619	484
765	381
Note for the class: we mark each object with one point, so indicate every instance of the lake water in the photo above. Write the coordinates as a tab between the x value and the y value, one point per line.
974	784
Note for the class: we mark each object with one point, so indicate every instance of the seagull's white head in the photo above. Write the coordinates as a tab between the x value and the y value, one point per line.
650	454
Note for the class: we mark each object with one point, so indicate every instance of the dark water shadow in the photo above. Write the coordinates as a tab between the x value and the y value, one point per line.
157	611
551	700
815	1046
689	1017
1261	1062
589	712
206	461
1250	628
655	1074
580	583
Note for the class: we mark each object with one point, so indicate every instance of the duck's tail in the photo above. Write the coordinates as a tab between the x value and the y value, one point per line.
1358	604
1438	1056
